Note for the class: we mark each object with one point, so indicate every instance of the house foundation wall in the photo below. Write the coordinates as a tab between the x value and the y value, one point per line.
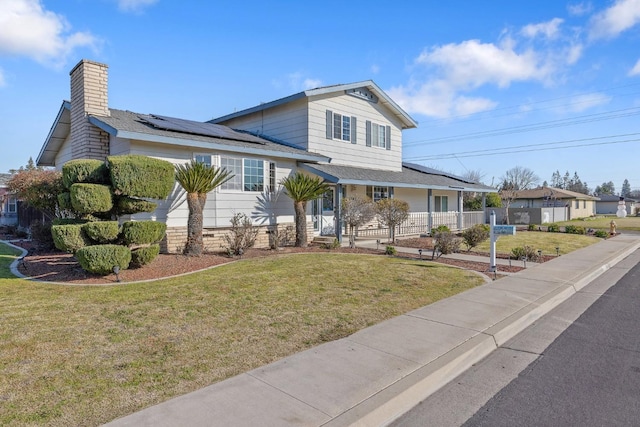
214	238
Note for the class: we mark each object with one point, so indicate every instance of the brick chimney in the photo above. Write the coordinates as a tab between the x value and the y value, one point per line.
88	97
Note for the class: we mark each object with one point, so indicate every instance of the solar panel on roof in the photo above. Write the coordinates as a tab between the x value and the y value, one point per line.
200	128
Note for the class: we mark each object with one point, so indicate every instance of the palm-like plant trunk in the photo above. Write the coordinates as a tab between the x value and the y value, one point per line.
301	223
194	244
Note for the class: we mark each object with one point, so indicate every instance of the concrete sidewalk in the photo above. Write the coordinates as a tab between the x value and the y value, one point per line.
377	374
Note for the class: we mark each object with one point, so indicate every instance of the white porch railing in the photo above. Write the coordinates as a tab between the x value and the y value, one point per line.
418	223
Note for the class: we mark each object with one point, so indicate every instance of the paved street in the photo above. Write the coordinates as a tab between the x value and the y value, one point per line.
589	375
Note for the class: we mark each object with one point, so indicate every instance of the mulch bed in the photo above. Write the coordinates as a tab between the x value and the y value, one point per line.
55	266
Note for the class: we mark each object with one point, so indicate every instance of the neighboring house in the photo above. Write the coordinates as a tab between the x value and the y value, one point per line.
548	204
608	204
350	135
8	202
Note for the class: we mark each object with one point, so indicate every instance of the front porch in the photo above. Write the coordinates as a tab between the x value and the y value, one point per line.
423	223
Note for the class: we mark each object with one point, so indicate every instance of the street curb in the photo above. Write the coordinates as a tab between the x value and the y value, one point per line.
389	404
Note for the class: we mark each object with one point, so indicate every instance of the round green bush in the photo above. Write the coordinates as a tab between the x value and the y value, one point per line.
143	256
64	201
143	232
69	238
102	231
129	205
100	259
91	198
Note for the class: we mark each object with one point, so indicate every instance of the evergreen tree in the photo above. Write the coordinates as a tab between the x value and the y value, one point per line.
626	189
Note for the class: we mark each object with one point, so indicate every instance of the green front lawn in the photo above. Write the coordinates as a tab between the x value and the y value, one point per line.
602	222
84	355
540	240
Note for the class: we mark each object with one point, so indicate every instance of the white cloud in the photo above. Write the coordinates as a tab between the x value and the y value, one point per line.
26	29
2	80
472	64
549	29
635	70
581	103
134	5
579	9
624	14
298	81
375	69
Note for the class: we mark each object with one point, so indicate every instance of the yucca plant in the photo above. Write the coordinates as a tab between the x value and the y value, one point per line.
198	179
301	189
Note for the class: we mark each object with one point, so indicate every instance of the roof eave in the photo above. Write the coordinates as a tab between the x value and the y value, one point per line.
53	143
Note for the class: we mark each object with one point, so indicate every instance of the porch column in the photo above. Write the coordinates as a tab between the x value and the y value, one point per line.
461	211
429	213
337	212
484	206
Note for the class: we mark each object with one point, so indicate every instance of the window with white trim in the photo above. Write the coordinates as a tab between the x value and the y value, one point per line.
234	166
341	127
12	205
376	193
441	203
253	175
203	158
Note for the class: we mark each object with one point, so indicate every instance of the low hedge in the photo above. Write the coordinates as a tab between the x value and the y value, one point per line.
100	259
143	232
69	238
143	256
102	231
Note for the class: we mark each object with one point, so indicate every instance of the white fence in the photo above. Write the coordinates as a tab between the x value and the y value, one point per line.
418	223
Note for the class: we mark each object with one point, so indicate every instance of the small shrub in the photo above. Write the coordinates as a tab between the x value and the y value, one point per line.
241	236
333	245
143	256
445	243
100	259
526	252
69	238
41	233
440	229
553	228
532	227
102	231
280	237
601	233
475	235
574	229
390	250
143	232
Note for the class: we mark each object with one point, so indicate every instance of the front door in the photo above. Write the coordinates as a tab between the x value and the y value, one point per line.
322	214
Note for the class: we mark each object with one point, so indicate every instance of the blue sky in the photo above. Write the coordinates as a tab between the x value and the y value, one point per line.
492	84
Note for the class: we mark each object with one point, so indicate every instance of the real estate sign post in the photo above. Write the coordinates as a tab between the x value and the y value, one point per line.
494	232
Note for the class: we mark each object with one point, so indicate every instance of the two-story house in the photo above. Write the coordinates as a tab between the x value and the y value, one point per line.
350	135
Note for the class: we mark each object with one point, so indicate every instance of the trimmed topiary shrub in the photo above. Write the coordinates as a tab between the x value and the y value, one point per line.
84	171
68	221
102	231
69	238
143	232
100	259
91	198
64	201
141	176
129	206
143	256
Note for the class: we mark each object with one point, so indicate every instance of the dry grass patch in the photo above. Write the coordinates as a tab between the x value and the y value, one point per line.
85	355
